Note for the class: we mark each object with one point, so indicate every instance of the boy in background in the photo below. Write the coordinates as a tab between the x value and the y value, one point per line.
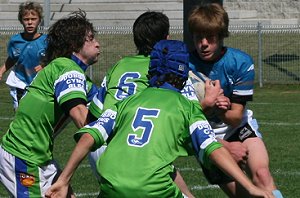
25	51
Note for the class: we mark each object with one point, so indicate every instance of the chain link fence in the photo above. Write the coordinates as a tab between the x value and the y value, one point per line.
275	49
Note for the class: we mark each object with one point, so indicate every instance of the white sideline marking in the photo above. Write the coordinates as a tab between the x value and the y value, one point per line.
94	194
279	123
197	187
6	118
274	172
275	103
84	166
189	169
286	173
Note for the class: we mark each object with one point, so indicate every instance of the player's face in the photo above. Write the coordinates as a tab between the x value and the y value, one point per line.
90	50
30	21
208	47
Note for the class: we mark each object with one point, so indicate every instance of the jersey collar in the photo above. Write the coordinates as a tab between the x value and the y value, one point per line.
82	65
169	86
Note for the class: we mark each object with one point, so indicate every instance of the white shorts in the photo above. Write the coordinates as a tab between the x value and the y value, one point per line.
23	179
93	157
14	82
13	93
224	131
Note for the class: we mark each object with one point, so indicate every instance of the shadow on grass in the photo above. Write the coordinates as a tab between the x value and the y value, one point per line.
276	58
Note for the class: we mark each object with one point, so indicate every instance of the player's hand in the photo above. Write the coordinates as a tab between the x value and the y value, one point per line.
212	91
38	68
57	190
257	192
223	103
238	151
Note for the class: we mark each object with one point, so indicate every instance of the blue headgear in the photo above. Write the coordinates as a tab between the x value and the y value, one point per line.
169	56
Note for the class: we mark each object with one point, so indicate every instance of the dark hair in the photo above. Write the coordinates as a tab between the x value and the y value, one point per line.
27	6
171	78
149	28
209	19
68	35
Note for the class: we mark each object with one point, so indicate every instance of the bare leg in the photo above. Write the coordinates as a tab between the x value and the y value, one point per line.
258	164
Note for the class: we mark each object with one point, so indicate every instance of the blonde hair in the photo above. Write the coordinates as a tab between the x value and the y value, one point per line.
209	19
30	5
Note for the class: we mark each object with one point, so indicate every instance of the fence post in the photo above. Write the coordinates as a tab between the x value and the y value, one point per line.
259	27
46	13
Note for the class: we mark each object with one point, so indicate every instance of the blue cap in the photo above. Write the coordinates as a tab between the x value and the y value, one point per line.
170	56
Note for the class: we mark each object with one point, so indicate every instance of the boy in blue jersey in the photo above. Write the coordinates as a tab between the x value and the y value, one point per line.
233	124
60	90
25	51
146	135
129	76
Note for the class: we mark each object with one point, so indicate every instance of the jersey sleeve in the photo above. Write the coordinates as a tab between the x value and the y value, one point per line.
244	75
100	129
203	138
71	84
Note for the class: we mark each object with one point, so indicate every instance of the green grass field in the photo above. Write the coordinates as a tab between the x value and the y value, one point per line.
276	108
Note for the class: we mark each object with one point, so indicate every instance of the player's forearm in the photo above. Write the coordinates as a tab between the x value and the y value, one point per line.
182	185
79	115
231	118
7	65
80	151
234	115
3	69
208	106
222	158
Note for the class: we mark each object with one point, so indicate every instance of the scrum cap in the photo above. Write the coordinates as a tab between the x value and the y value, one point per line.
170	56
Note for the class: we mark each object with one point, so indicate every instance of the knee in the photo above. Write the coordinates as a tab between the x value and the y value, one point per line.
263	178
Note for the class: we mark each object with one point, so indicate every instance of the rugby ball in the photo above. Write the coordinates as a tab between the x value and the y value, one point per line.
198	81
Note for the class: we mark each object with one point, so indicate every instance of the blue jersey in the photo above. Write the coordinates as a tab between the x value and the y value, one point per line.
235	70
27	55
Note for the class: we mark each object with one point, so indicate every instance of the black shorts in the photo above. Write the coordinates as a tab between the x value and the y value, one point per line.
214	175
20	93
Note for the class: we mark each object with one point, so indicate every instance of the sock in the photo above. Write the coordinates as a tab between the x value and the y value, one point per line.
277	194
